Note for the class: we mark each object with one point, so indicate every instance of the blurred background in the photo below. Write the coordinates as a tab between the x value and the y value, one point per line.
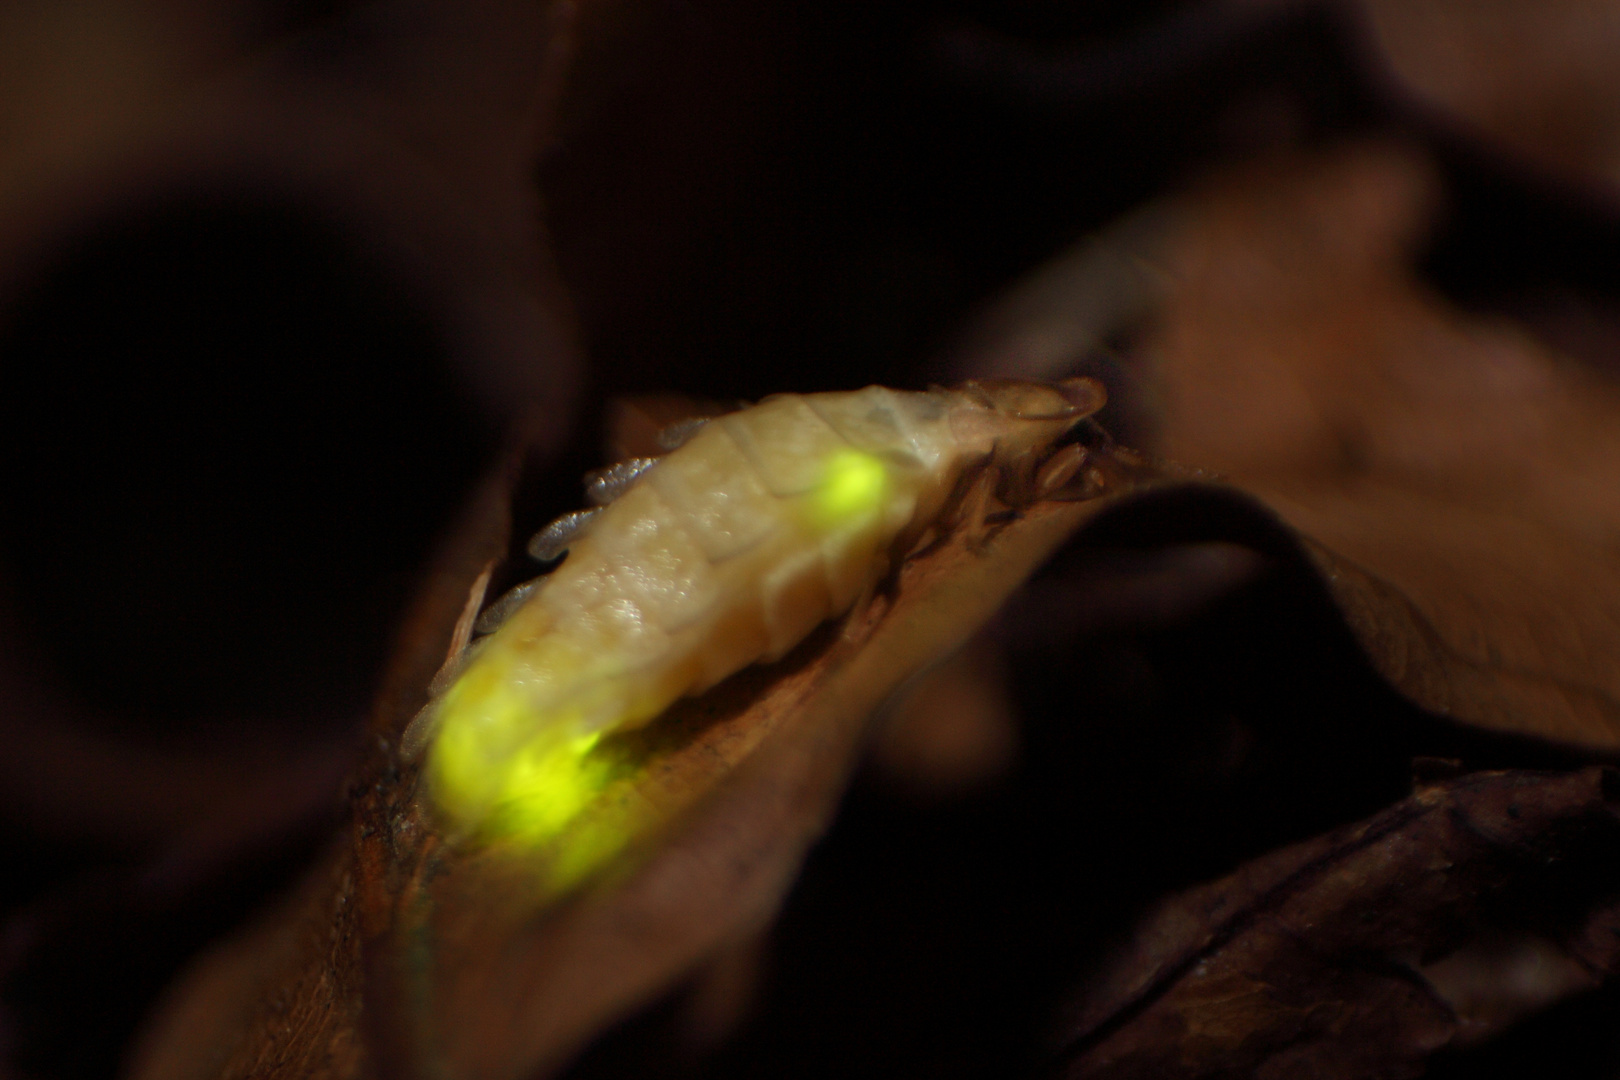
281	280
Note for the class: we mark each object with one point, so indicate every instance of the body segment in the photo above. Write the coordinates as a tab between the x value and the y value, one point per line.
727	551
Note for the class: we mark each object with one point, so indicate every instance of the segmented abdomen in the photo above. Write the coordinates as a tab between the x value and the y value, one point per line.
727	551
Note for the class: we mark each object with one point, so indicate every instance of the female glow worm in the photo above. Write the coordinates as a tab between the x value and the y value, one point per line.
727	551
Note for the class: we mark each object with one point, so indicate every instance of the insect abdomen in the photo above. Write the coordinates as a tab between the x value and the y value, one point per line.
727	551
749	491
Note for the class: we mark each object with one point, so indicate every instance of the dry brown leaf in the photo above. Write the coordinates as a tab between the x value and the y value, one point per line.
439	958
1539	78
1360	953
1461	476
750	774
954	728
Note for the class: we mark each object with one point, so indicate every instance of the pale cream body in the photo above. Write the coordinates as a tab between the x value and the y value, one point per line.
721	555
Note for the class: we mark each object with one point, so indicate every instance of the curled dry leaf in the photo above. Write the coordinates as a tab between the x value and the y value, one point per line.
463	961
1360	953
1538	78
1455	477
723	797
954	728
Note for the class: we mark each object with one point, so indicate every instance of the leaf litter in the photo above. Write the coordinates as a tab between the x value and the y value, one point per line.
432	955
1446	473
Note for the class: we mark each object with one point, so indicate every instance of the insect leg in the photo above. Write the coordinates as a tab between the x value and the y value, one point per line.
422	726
604	485
425	724
550	542
508	602
971	500
1059	470
676	435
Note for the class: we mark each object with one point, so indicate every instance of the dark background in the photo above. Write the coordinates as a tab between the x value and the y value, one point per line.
233	423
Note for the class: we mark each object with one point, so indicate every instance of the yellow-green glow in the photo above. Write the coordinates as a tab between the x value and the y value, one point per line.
855	485
546	785
509	774
519	758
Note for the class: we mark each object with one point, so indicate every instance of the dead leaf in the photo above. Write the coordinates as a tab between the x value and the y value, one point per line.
1459	474
1536	78
443	957
731	791
955	728
1361	953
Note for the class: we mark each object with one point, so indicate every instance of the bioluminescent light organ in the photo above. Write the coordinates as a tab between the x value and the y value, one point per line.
727	551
